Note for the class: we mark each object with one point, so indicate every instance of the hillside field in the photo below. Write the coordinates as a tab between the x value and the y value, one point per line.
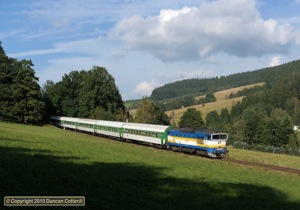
116	175
222	102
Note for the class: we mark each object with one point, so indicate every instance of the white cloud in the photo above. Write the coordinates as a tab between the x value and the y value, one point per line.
10	34
34	52
86	46
76	12
297	1
192	33
143	89
276	60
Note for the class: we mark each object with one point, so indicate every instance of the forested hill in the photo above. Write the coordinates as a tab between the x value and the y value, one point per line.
210	85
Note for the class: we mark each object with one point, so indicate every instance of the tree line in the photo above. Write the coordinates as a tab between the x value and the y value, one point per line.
186	101
210	85
263	120
84	94
267	117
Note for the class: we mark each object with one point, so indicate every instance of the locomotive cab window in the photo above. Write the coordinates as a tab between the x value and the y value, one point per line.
216	136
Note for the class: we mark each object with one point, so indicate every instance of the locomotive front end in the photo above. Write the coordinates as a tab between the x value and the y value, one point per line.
217	145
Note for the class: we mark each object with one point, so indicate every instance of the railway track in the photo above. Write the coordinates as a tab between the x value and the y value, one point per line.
262	165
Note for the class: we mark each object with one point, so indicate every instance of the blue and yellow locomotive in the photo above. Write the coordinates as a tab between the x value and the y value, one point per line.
198	140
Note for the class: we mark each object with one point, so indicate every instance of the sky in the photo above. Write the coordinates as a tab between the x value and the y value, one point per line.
145	44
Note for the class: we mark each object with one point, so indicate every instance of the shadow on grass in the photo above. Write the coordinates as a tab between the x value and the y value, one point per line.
125	186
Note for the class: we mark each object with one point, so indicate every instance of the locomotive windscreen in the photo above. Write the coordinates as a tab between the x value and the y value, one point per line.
219	136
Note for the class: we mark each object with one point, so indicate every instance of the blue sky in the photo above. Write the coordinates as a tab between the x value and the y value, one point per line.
147	43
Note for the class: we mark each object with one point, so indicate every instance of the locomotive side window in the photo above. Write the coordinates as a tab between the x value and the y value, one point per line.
206	137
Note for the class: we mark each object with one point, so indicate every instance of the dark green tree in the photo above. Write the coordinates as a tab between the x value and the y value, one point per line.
250	126
50	99
281	127
6	81
262	133
213	120
252	116
191	118
20	95
209	98
225	116
293	108
87	94
29	106
99	90
149	113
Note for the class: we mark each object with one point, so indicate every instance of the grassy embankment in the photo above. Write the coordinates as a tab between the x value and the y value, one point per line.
222	102
117	175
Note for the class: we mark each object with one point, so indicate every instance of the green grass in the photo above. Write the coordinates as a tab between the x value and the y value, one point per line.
265	158
116	175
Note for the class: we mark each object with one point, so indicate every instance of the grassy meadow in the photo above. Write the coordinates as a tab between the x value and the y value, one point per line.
281	160
47	161
222	102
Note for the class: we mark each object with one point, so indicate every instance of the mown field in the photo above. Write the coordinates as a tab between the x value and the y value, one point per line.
222	102
116	175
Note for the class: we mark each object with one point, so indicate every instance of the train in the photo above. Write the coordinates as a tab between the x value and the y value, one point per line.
199	141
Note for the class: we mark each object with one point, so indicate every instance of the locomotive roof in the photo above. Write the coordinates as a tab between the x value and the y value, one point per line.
195	130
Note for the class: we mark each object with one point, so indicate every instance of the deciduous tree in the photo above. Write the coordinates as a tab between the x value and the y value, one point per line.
149	113
191	118
20	94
